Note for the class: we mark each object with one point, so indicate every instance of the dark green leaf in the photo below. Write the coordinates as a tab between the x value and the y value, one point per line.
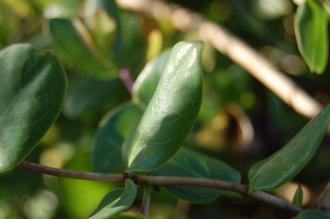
312	214
286	163
188	163
92	95
117	201
32	89
298	196
311	28
147	81
115	129
78	52
171	112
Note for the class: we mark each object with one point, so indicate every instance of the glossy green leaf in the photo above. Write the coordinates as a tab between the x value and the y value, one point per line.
77	49
93	95
286	163
188	163
114	130
171	112
117	201
32	89
298	196
311	28
312	214
147	81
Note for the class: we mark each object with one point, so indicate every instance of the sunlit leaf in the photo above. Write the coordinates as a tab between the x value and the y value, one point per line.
298	196
93	95
171	112
116	201
32	89
311	28
114	130
75	45
147	81
286	163
102	17
312	214
188	163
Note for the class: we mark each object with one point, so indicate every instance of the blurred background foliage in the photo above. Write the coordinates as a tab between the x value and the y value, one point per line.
240	121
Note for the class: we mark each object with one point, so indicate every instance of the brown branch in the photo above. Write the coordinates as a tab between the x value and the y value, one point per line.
166	181
231	46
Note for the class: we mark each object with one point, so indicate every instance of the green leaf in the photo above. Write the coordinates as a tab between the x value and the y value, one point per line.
286	163
312	214
147	81
107	156
171	112
102	17
298	196
92	95
311	28
76	47
32	88
117	201
188	163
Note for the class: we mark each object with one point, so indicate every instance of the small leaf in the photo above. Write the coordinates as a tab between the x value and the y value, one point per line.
147	81
286	163
92	95
32	89
298	196
188	163
171	112
312	214
74	44
311	28
115	129
117	201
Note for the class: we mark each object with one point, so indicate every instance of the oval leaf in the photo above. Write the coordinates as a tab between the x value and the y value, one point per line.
117	201
298	196
312	214
171	112
286	163
188	163
78	52
311	29
107	152
32	88
94	95
147	81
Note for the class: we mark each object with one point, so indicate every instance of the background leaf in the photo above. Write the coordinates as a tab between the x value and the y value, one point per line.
171	112
32	89
94	95
312	214
147	81
293	157
107	152
311	28
81	54
118	200
188	163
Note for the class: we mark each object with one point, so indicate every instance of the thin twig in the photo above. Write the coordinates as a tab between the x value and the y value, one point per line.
233	47
166	181
127	79
145	205
324	200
